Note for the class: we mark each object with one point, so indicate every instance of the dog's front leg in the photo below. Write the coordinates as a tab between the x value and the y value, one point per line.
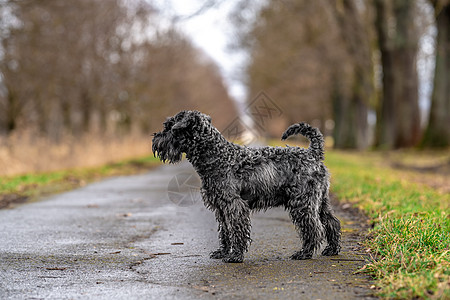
224	238
237	222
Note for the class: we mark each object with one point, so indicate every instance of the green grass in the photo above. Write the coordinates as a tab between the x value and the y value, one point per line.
30	186
410	242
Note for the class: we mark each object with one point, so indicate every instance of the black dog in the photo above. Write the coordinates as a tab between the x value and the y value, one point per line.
237	179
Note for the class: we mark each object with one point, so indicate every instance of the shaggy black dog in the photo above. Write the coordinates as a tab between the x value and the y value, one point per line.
238	179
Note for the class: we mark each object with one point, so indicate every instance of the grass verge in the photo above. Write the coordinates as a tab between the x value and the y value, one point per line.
25	188
410	241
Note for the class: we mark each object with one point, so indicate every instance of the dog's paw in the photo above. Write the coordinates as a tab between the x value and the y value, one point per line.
330	251
218	254
233	258
300	255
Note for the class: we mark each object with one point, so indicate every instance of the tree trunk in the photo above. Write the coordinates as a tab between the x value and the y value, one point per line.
86	109
438	130
350	117
103	114
66	110
351	127
398	119
42	111
386	129
12	111
344	120
361	124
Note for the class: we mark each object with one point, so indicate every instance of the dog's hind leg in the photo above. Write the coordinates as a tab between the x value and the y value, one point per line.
332	228
305	216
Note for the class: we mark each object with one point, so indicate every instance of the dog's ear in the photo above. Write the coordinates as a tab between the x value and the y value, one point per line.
180	125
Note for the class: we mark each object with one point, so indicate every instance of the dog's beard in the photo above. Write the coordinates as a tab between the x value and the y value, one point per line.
164	147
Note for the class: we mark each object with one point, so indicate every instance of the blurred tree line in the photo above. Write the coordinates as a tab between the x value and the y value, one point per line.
340	60
94	66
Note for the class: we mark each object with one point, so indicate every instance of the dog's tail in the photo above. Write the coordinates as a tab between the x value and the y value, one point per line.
313	134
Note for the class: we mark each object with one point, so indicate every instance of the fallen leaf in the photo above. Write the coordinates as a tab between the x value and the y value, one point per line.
125	215
201	288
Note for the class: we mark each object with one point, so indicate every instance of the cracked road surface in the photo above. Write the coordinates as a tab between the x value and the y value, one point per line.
123	238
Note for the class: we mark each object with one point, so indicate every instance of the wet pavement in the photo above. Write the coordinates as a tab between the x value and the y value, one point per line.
124	238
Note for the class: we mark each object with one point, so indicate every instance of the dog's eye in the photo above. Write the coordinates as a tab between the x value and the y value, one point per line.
167	125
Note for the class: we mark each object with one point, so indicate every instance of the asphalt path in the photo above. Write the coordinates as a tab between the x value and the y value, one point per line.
149	237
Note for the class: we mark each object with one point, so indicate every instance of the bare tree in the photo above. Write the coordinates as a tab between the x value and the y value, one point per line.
314	59
103	67
398	118
437	133
290	45
350	111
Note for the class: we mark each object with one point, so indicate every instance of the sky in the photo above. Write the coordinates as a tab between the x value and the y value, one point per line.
211	31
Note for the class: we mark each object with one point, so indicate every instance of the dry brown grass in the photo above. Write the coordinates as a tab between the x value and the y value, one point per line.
25	153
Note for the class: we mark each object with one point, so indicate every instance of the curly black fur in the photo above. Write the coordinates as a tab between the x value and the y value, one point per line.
238	179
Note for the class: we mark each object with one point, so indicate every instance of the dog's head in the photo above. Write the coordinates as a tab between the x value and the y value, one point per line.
179	135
